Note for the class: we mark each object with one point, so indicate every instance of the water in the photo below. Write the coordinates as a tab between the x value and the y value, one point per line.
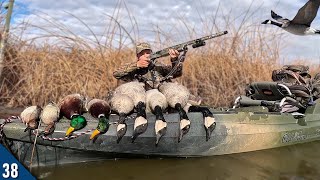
295	162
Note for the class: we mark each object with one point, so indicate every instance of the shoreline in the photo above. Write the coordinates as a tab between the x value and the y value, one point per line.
6	112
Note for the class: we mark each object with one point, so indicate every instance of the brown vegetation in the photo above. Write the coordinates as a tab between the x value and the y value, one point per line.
218	72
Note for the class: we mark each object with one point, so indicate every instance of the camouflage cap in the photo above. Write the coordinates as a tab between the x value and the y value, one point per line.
142	46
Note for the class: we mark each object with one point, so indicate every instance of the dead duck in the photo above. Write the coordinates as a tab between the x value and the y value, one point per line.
30	116
50	116
300	24
136	92
177	97
72	107
100	109
157	103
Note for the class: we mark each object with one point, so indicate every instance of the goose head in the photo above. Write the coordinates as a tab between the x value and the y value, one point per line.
209	125
184	128
160	129
140	126
266	22
121	131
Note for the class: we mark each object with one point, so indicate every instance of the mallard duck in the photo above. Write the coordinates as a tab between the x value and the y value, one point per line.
30	116
72	107
100	109
50	116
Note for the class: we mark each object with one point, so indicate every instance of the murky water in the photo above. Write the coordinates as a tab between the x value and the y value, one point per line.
295	162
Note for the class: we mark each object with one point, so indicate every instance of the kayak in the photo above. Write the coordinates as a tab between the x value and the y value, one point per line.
238	130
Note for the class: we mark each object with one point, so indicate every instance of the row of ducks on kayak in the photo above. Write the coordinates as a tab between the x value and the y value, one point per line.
71	107
123	103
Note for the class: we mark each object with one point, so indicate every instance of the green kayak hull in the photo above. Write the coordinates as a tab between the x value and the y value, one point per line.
237	130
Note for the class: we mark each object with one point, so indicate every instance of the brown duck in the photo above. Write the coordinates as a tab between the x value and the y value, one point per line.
30	116
100	109
50	116
72	107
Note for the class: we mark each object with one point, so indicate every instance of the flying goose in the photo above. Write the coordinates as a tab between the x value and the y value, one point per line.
300	24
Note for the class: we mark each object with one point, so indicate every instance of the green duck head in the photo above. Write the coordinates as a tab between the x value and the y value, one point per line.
102	127
77	122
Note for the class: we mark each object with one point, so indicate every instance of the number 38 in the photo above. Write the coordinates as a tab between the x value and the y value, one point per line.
7	173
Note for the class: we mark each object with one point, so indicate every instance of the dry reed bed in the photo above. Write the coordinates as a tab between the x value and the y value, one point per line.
37	75
218	72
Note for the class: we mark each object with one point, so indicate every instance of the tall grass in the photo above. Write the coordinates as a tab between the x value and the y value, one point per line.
36	73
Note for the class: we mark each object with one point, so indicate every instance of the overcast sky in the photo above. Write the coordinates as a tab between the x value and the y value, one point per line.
167	15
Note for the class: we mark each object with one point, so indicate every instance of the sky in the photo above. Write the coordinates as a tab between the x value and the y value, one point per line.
143	18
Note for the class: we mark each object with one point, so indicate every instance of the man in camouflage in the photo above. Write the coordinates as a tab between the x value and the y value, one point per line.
139	69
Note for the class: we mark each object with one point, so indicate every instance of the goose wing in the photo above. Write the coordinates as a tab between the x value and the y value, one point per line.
279	18
307	13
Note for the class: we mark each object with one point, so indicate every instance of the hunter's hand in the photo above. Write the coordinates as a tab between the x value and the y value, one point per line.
173	53
143	62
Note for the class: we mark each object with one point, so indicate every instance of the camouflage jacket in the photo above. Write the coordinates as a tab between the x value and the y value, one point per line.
130	72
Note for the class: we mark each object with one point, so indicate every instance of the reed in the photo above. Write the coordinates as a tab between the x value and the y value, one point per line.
218	72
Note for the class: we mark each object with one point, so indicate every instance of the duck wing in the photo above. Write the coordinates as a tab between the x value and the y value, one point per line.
307	13
279	18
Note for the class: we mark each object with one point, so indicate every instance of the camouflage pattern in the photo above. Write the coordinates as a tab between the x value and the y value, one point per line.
238	130
129	72
315	86
297	79
301	69
142	46
287	76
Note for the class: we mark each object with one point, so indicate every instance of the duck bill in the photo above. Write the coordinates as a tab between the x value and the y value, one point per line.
69	131
209	131
94	134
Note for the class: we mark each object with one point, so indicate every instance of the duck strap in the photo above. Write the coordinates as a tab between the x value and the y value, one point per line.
175	68
3	139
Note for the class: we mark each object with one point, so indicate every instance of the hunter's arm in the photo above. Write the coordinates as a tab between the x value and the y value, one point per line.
126	72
